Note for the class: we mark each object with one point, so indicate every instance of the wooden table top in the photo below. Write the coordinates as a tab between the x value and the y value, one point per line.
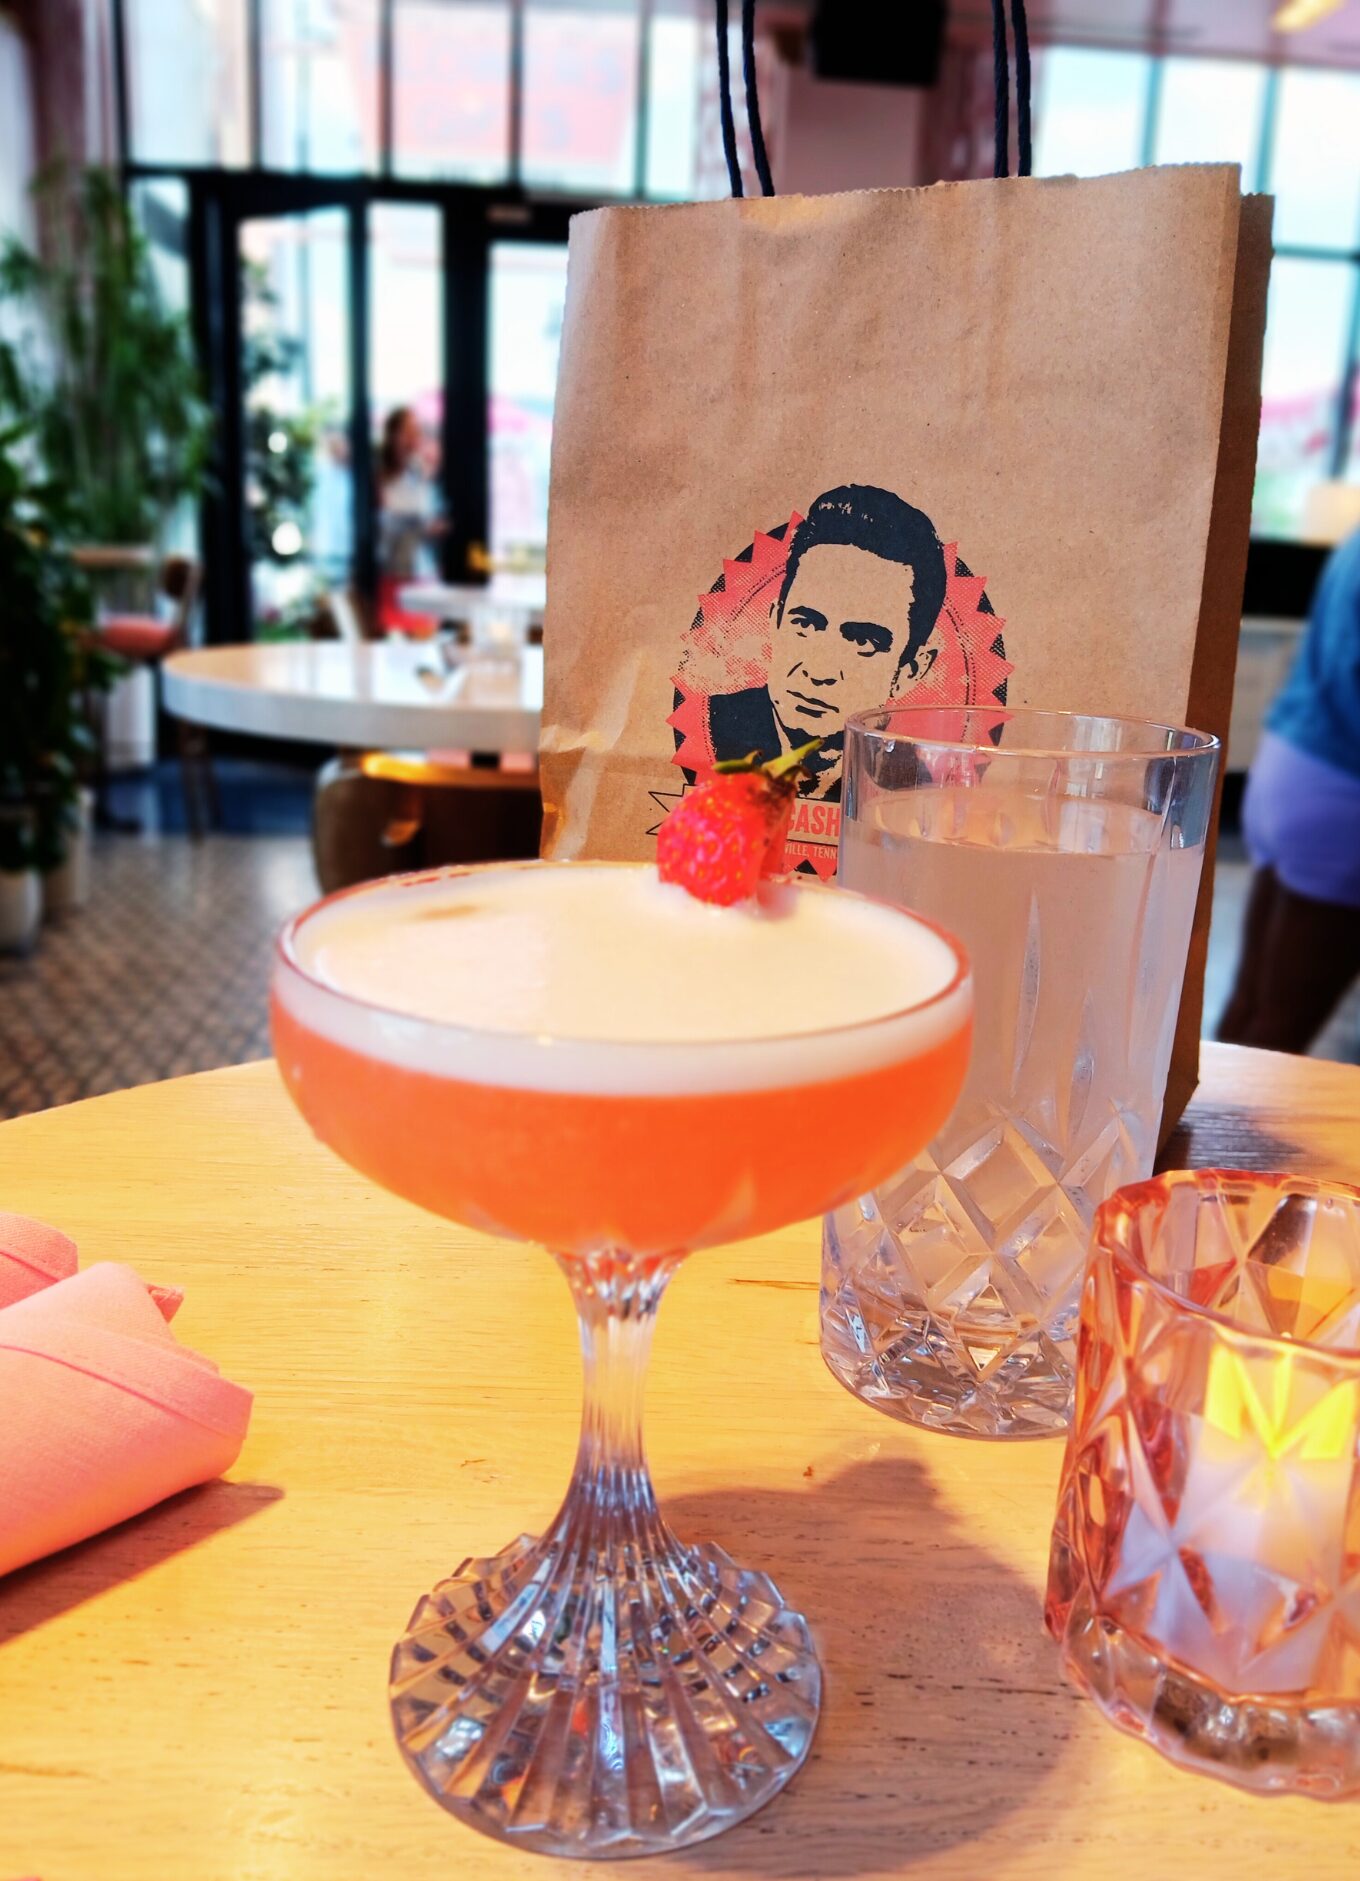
199	1695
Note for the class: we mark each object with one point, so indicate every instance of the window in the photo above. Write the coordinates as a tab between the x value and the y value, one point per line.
676	44
614	97
451	89
581	96
1091	111
298	398
1296	132
187	90
406	394
161	209
319	85
1314	170
16	133
406	313
1210	111
1306	335
528	291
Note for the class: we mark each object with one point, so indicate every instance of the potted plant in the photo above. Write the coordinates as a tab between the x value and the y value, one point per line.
100	368
49	660
103	372
20	883
65	834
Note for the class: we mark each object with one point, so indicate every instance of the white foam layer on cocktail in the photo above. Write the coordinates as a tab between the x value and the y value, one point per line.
600	978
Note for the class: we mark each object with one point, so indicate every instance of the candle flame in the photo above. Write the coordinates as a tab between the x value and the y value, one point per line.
1235	1405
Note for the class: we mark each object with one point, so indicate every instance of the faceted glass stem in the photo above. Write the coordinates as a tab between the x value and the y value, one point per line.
616	1303
604	1689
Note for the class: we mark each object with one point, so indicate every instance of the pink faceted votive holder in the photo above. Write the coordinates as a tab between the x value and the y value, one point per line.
1204	1582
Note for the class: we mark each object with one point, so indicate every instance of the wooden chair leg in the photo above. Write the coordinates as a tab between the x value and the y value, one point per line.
193	809
208	777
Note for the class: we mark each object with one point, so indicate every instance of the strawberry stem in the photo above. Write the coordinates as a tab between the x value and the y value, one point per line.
787	764
789	761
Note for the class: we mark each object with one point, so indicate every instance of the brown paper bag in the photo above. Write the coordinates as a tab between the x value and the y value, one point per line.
1034	402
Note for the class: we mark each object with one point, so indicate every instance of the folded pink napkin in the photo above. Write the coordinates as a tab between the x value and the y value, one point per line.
32	1255
102	1411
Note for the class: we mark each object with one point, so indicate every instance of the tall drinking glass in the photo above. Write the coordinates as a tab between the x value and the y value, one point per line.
577	1054
1065	851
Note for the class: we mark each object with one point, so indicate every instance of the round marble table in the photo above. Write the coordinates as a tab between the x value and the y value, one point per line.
376	695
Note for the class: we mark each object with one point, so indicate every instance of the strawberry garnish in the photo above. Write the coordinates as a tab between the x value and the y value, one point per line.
727	836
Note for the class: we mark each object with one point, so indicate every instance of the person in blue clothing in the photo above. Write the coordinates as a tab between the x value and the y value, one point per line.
1301	818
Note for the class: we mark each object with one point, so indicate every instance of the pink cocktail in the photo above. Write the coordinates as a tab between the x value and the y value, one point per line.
579	1054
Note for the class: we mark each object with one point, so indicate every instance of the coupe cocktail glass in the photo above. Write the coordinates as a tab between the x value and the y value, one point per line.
605	1689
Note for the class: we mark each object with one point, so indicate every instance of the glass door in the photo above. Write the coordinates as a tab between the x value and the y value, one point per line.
407	368
527	294
340	365
385	370
298	406
527	285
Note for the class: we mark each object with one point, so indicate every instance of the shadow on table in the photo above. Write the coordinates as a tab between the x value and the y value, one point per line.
1228	1139
943	1708
32	1595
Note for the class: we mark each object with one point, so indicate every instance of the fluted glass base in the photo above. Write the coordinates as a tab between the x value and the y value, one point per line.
606	1690
604	1694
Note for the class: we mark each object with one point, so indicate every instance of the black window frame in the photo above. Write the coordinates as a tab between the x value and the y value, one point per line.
473	216
471	220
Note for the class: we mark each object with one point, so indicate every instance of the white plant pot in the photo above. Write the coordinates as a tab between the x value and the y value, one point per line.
21	905
67	887
130	722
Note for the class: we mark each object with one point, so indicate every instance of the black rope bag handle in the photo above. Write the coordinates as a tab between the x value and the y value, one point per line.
748	68
1001	79
729	126
729	129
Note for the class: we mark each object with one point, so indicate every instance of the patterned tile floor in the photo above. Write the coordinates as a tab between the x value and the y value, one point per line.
165	971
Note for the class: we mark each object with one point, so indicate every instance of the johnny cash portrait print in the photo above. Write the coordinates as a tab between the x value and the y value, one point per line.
852	605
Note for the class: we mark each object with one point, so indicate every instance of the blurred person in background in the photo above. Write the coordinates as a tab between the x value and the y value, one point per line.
1301	818
408	519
